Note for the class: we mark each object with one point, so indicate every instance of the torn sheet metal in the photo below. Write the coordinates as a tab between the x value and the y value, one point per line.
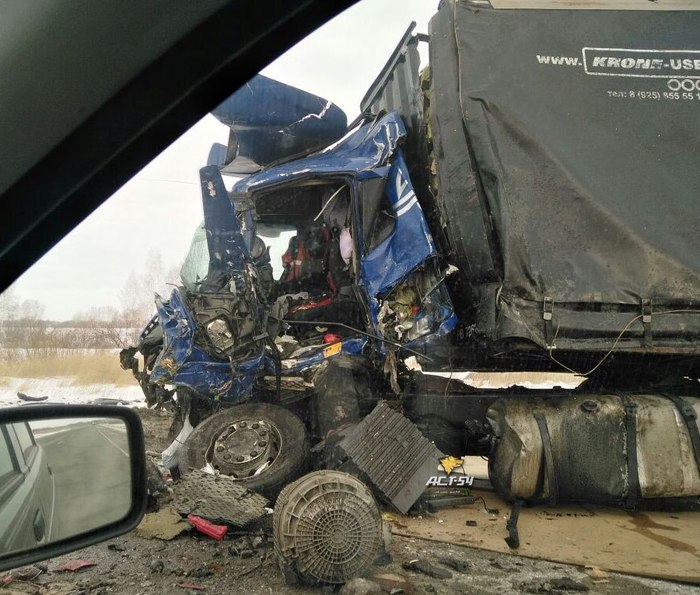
364	149
228	252
409	244
417	310
349	346
389	453
217	498
270	121
503	380
181	362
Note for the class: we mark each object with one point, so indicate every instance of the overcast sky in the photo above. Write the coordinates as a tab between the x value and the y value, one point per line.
160	207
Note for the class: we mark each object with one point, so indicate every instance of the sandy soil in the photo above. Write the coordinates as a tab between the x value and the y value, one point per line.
192	563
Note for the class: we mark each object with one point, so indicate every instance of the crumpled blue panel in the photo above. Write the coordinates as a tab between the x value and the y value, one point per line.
408	246
368	147
182	363
272	121
228	252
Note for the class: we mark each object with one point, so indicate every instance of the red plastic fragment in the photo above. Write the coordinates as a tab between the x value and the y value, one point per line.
203	526
73	565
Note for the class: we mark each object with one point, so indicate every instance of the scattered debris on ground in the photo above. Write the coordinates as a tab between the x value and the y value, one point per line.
427	568
218	499
190	562
164	524
75	565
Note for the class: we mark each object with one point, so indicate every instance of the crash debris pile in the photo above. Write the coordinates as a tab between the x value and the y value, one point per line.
468	245
212	504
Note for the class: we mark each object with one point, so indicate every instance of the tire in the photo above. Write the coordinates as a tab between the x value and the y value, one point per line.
288	461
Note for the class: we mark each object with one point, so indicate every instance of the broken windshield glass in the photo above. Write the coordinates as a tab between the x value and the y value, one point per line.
196	264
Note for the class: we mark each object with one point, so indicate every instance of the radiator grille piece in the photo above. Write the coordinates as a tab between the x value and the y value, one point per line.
218	499
389	452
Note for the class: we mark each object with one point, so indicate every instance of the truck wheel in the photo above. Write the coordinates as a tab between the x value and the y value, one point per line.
263	446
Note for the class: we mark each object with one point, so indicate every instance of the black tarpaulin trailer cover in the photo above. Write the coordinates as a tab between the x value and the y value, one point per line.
579	197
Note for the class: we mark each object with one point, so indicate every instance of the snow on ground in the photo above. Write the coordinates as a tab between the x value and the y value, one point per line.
63	390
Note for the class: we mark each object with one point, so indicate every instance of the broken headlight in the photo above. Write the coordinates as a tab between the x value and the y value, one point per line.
220	334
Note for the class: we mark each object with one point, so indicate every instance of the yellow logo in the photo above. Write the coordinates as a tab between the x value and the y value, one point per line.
450	463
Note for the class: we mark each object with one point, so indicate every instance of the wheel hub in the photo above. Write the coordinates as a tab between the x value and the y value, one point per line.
244	448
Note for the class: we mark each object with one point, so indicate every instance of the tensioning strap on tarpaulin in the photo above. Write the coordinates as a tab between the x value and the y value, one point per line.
690	418
548	459
633	490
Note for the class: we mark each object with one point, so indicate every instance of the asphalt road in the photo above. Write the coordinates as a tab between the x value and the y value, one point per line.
91	467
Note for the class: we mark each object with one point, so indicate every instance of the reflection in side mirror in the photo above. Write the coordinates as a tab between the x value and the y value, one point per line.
67	481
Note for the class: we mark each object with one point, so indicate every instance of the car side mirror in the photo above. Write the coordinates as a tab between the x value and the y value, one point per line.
70	476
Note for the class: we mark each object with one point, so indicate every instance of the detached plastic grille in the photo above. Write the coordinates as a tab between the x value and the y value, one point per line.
327	528
391	454
218	499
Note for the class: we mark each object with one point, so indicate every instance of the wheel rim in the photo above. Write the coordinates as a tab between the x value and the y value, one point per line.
244	448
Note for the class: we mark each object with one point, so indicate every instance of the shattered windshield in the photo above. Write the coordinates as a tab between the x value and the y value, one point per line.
196	264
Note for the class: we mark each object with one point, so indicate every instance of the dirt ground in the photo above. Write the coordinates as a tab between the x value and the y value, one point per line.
192	563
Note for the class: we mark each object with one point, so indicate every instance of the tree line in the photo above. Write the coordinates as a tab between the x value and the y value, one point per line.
23	324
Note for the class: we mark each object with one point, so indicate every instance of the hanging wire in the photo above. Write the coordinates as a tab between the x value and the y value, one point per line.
617	340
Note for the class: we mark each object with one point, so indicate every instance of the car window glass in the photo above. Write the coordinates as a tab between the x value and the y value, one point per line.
381	226
196	264
24	437
7	465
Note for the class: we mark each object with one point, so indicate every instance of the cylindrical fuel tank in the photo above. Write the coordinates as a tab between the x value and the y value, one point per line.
605	448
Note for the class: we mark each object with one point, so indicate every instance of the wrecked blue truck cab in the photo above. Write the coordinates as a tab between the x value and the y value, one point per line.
334	274
365	276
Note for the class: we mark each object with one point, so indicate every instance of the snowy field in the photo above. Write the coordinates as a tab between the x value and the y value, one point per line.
62	390
77	376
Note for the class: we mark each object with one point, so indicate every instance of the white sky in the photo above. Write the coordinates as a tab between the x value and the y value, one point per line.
160	207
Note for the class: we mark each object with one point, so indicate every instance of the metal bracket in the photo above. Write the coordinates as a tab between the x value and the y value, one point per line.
547	313
646	321
687	412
